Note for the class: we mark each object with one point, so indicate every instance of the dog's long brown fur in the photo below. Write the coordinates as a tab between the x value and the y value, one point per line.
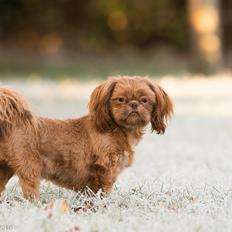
75	153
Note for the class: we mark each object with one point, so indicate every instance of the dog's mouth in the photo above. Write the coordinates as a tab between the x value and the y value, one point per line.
132	119
133	113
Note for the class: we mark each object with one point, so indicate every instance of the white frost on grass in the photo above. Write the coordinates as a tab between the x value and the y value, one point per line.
181	181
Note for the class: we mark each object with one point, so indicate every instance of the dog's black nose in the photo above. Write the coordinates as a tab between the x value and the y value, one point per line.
133	104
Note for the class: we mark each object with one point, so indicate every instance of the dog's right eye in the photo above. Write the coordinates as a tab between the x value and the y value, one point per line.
121	99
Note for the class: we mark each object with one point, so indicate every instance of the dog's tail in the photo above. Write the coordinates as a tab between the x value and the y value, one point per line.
14	110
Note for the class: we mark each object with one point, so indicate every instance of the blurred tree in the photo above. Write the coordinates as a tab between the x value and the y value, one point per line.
103	23
226	13
206	37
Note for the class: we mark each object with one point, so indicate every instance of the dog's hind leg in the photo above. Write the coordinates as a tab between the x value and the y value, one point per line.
5	174
27	166
30	186
29	173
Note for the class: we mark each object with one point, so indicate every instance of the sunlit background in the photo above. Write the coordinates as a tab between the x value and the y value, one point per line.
95	39
56	52
65	48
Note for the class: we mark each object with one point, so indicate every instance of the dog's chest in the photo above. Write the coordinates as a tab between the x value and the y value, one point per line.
128	158
129	152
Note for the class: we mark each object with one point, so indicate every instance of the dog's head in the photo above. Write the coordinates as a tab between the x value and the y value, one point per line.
130	103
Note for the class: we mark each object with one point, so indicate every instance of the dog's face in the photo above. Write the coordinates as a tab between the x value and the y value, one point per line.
130	103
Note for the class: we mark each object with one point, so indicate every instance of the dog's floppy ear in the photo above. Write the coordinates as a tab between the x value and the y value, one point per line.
99	105
163	109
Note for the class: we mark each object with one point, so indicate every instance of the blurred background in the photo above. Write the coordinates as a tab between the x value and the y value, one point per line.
56	52
95	39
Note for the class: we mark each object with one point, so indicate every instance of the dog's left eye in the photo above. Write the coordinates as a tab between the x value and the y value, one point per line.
143	99
121	99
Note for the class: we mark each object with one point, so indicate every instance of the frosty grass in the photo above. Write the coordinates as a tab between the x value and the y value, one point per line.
181	181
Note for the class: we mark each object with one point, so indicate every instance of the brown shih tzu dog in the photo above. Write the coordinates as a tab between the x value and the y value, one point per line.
75	153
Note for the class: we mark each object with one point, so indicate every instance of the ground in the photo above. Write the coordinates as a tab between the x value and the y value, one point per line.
180	181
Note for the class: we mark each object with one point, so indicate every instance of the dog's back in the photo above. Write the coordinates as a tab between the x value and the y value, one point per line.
14	111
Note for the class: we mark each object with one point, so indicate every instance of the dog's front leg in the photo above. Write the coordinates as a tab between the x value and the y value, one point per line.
104	172
101	178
